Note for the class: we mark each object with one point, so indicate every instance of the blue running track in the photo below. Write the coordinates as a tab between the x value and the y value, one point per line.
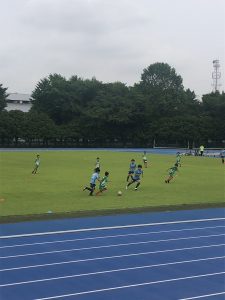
149	256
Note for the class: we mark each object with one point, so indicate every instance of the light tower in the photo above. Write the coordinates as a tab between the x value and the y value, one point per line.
216	75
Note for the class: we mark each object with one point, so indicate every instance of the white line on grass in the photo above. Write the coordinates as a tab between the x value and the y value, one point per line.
111	245
110	271
109	228
110	236
129	286
111	257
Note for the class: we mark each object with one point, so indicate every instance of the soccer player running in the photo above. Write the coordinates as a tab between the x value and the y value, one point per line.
172	172
36	164
178	159
138	173
132	168
103	184
97	163
94	177
144	158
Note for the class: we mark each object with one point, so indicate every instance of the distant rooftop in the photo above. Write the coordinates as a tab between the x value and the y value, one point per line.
19	97
17	101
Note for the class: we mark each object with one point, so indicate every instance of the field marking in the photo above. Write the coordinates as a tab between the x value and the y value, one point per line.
111	271
109	228
111	257
203	296
111	245
110	236
130	286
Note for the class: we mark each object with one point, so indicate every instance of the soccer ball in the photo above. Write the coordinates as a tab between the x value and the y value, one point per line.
119	193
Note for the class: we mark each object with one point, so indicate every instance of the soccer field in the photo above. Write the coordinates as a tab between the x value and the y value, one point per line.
57	187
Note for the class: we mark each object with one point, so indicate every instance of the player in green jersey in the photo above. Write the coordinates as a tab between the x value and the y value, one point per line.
103	184
145	160
178	159
97	163
36	164
172	172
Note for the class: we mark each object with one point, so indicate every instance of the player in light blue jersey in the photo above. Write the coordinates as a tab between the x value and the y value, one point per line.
138	173
132	168
94	177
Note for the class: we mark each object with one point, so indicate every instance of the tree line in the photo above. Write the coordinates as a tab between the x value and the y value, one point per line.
76	112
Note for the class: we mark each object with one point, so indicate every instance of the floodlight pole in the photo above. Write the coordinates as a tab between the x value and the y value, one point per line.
216	75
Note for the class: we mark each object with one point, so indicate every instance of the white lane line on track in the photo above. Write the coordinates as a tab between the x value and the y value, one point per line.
109	228
203	296
130	286
111	245
111	236
111	257
111	271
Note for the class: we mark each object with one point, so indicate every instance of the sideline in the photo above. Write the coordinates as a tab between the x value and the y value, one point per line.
107	212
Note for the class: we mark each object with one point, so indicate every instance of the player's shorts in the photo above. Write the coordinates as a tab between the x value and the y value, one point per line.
145	160
130	172
102	187
135	179
92	186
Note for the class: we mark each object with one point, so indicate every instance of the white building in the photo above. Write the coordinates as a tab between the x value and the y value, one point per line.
17	101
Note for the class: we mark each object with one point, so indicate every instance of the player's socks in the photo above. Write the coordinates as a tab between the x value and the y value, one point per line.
137	185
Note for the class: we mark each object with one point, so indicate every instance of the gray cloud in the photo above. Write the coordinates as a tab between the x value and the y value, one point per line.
110	39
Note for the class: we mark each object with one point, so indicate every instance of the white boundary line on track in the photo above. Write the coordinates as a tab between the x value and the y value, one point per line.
111	236
110	257
203	296
108	228
129	286
110	271
111	245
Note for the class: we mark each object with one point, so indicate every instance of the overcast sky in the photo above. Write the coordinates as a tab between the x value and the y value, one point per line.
112	40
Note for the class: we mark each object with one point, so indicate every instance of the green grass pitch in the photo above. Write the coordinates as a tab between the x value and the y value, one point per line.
57	187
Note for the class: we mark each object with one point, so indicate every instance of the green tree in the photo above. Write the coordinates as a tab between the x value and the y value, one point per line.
17	124
109	115
62	99
39	128
3	96
160	77
6	128
163	89
213	106
51	96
